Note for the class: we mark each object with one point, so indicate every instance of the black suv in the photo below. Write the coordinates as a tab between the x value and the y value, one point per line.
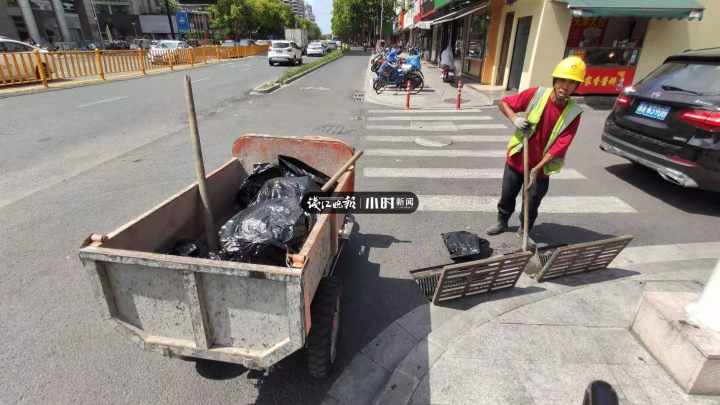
670	121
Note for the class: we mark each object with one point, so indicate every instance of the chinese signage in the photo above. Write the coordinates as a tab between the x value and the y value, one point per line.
606	80
586	32
361	203
183	22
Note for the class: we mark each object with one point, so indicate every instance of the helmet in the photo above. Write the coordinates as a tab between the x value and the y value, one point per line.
572	68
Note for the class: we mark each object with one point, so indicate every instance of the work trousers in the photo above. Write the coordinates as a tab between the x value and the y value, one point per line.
511	186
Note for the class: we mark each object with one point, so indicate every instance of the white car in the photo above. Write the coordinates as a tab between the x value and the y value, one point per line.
284	52
9	71
316	49
228	43
164	51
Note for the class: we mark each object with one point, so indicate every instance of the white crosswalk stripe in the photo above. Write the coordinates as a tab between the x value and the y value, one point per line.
436	153
550	204
452	173
432	118
435	126
478	136
452	138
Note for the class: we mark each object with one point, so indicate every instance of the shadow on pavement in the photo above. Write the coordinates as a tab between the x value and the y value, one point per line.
556	234
217	370
689	200
599	276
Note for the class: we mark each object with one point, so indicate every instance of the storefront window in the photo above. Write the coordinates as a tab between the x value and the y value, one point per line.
477	34
610	47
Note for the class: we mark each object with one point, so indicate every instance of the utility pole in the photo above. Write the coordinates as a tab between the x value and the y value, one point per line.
382	11
167	9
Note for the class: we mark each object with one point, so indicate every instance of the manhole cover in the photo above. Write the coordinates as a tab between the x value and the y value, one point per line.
358	96
454	100
433	142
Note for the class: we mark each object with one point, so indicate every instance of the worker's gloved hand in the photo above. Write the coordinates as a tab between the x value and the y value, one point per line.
521	123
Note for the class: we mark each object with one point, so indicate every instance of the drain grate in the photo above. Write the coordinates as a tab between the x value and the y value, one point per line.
358	96
333	129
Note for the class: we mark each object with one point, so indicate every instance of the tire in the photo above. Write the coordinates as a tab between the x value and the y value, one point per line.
416	82
322	342
270	63
378	85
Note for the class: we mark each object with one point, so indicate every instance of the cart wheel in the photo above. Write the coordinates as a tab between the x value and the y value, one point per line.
325	330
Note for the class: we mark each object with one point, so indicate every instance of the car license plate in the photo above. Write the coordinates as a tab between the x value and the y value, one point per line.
654	111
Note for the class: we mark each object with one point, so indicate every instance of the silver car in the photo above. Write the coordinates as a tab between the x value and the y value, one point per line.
22	67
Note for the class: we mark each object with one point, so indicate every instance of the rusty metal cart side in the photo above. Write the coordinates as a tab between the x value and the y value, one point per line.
243	313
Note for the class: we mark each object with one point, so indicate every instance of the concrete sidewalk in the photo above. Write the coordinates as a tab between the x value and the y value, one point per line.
435	95
539	343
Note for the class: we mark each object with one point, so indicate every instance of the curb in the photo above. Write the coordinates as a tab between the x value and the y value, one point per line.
396	382
71	85
291	79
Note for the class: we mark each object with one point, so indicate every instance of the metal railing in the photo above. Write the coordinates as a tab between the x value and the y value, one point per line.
25	67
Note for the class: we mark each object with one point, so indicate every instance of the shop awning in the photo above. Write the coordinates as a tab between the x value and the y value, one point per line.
458	14
675	9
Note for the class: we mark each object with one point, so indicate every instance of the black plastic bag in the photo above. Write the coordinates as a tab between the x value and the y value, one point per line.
291	188
291	167
262	172
465	246
265	232
190	248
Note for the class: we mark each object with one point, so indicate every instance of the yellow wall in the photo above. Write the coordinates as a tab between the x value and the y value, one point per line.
546	46
665	37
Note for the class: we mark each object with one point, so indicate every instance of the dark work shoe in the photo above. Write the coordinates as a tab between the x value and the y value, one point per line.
500	227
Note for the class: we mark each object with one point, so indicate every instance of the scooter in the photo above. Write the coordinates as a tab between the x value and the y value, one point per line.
448	74
390	74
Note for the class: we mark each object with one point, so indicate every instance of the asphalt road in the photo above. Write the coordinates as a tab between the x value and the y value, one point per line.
76	163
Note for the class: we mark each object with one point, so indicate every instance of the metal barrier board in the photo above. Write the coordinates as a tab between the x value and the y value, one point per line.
580	257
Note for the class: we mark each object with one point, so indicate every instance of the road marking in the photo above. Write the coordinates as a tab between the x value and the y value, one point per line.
453	173
435	126
201	80
453	138
107	100
666	253
433	118
436	153
468	111
550	205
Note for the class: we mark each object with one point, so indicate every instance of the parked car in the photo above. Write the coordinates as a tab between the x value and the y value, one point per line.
316	49
262	42
164	51
12	72
670	121
246	42
284	51
331	45
228	43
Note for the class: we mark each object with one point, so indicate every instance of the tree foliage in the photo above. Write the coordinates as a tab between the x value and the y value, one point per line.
251	18
358	20
313	31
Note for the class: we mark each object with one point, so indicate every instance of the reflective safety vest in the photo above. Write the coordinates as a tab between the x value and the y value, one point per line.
536	108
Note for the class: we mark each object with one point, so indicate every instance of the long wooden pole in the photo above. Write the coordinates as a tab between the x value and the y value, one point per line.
340	172
526	177
211	235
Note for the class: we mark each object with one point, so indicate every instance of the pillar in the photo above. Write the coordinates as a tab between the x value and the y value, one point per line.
29	18
62	23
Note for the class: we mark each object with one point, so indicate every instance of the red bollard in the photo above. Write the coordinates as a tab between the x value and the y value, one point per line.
459	95
407	96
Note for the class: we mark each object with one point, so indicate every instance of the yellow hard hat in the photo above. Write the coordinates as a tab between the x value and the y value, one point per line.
572	68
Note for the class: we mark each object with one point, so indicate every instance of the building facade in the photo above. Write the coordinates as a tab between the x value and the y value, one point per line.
309	13
516	43
297	7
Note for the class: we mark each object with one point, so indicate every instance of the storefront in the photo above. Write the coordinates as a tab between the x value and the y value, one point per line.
611	47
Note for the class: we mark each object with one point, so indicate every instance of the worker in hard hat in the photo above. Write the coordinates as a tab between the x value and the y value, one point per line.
550	123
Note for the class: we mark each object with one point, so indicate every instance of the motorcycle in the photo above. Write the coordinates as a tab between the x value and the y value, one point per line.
391	74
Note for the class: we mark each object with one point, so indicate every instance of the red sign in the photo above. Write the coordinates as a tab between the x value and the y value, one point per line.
606	80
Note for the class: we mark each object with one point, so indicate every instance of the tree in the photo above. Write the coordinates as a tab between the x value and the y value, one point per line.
231	18
313	31
357	20
172	5
259	18
270	17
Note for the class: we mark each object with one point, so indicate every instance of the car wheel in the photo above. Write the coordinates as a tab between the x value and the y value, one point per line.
270	63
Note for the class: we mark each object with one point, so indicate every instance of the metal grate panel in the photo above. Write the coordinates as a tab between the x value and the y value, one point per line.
581	257
449	282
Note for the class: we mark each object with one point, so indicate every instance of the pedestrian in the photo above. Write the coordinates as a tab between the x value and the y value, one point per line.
550	124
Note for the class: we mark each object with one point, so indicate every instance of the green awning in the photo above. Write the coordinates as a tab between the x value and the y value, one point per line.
682	9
